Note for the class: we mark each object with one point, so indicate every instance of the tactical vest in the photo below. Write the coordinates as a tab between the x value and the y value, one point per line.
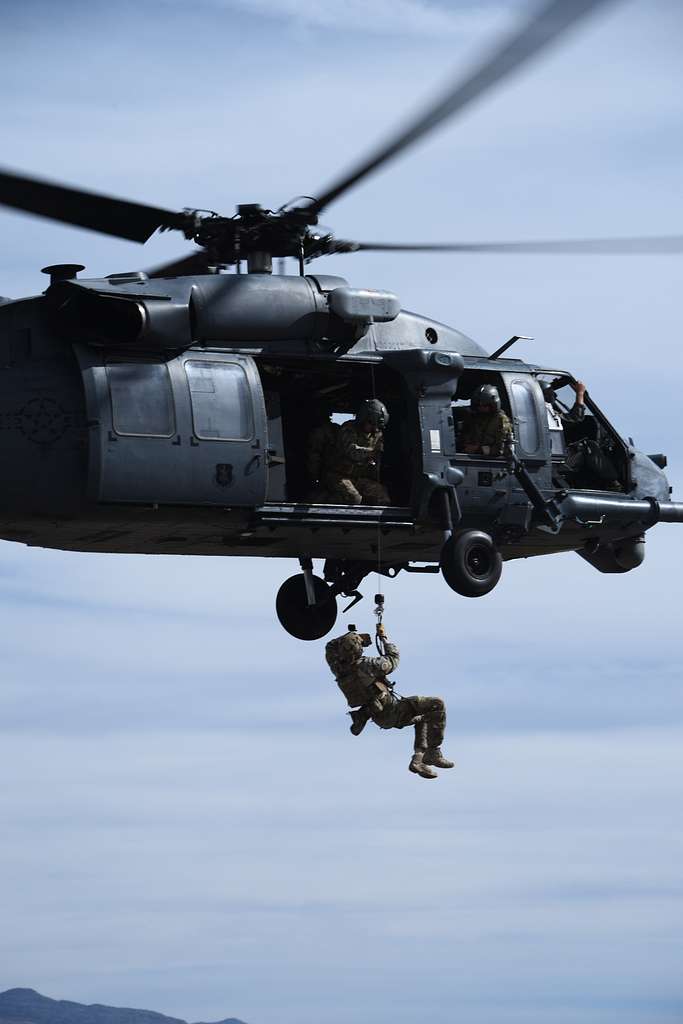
356	677
348	437
360	689
484	430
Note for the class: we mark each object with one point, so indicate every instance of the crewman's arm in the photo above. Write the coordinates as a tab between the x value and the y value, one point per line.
578	410
464	436
350	449
502	435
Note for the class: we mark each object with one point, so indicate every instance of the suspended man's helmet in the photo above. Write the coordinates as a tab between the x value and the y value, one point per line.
486	395
344	651
373	411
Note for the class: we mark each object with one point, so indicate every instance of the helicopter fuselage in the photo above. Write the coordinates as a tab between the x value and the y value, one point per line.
171	417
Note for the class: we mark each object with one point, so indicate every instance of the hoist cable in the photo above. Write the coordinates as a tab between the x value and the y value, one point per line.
379	596
379	529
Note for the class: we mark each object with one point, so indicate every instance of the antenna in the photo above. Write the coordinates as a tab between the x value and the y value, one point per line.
506	346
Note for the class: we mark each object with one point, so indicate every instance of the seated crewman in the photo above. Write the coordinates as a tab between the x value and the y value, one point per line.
484	429
321	448
353	479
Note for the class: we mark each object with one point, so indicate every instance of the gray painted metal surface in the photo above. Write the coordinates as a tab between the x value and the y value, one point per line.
153	416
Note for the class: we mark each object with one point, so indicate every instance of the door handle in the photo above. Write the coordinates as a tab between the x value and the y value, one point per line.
273	458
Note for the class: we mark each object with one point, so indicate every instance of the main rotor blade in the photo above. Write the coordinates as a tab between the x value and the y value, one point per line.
549	23
194	263
655	244
111	216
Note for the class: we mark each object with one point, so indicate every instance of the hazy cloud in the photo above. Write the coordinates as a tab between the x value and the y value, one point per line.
187	824
383	17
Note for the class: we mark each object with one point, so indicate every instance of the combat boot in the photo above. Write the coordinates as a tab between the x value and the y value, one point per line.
434	756
418	766
359	719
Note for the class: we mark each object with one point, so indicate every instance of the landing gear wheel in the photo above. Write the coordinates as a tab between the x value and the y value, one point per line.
304	621
470	563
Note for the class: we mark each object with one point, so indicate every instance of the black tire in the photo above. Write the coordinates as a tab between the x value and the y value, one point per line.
471	563
304	621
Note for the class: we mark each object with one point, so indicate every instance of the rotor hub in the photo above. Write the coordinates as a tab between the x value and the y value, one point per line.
257	234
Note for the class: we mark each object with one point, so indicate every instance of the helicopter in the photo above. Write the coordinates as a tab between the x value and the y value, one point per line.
167	411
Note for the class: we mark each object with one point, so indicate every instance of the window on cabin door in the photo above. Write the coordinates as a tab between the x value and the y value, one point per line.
141	399
221	401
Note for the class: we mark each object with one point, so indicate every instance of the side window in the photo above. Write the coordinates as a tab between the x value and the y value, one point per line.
141	399
524	406
464	422
221	401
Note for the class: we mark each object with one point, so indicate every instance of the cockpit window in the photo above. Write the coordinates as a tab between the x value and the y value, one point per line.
588	453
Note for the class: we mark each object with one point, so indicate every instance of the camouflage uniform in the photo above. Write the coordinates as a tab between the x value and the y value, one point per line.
353	477
320	455
485	430
363	681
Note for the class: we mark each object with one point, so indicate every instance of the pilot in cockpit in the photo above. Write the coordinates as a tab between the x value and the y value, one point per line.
557	413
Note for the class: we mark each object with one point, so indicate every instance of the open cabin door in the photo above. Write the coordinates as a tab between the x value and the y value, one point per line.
189	431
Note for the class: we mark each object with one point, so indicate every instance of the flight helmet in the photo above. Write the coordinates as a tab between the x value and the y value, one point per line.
373	411
486	395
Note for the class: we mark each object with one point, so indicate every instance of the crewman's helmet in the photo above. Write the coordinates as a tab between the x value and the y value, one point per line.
374	412
485	396
548	390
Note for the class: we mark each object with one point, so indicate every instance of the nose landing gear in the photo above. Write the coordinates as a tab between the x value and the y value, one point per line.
471	564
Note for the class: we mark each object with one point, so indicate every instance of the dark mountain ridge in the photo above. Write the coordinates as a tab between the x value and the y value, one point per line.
25	1006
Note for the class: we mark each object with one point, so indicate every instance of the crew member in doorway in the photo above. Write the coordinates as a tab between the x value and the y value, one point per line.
354	477
370	695
484	429
321	450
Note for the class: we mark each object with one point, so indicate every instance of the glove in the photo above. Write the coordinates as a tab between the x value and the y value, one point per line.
380	631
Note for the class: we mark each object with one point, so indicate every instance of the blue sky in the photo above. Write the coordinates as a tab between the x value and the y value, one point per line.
187	825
